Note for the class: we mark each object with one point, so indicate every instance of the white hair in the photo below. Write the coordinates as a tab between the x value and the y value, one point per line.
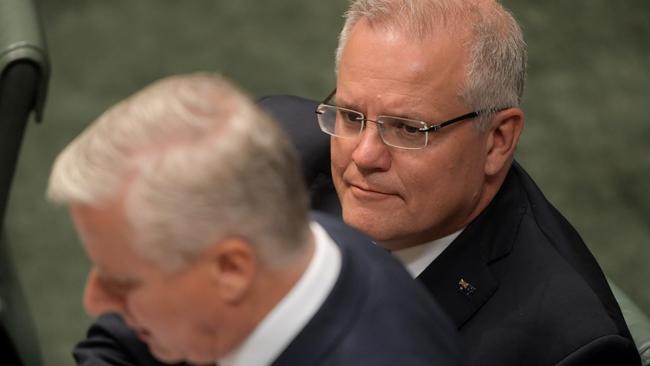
496	68
198	163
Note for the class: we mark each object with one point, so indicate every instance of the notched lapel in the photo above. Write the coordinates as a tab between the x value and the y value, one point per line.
461	287
460	278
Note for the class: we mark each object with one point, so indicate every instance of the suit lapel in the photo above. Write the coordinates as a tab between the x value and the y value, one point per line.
460	286
461	279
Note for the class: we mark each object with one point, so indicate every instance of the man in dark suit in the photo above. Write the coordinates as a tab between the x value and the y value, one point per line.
424	122
191	206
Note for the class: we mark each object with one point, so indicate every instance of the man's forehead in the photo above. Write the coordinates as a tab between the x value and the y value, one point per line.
411	78
105	235
99	222
408	105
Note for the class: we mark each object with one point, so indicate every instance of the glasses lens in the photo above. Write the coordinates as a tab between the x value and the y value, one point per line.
339	122
404	133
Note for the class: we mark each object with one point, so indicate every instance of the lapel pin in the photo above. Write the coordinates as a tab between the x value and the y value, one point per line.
465	287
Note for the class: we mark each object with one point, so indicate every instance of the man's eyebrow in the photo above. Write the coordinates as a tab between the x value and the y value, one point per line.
107	277
399	114
341	102
406	115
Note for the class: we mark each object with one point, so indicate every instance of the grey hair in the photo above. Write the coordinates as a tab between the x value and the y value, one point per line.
197	163
496	68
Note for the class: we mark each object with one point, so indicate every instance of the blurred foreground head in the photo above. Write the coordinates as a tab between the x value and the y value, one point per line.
190	204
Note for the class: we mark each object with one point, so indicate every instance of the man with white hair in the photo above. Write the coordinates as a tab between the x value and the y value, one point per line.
191	207
424	123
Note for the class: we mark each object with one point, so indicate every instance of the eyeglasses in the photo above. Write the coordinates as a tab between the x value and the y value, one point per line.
398	132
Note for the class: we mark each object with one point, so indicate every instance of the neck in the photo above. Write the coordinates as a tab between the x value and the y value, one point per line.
272	284
281	277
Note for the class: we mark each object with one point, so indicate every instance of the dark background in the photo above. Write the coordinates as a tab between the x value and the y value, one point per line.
585	141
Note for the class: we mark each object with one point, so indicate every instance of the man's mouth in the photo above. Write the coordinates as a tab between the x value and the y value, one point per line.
365	192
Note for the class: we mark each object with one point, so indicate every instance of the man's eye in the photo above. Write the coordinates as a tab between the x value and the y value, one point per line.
351	116
408	129
404	129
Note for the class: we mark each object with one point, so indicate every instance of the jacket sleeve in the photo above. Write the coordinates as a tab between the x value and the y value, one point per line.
109	342
606	350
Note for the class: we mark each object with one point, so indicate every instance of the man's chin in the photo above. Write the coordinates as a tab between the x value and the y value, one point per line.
165	355
371	227
170	357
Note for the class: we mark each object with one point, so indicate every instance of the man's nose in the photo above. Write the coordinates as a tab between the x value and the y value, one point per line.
98	299
371	153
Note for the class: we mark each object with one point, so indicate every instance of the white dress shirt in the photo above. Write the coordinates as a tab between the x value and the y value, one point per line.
276	331
417	258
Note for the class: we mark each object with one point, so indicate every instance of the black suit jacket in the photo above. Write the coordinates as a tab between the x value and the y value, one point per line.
519	283
375	315
298	118
523	289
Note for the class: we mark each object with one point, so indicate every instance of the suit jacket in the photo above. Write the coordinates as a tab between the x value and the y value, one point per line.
523	289
298	118
375	315
519	283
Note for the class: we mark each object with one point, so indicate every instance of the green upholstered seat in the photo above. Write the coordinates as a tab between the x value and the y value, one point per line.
637	322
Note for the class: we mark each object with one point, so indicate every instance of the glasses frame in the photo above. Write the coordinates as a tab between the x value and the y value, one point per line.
430	127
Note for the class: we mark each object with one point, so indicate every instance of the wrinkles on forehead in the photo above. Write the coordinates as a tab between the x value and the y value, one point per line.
383	71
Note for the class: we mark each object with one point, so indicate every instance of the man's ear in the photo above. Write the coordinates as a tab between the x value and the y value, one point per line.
504	131
233	264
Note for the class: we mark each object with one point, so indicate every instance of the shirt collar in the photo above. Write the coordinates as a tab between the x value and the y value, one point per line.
417	258
276	331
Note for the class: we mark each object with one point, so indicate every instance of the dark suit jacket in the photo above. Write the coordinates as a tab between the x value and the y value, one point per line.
298	118
519	282
523	289
375	315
